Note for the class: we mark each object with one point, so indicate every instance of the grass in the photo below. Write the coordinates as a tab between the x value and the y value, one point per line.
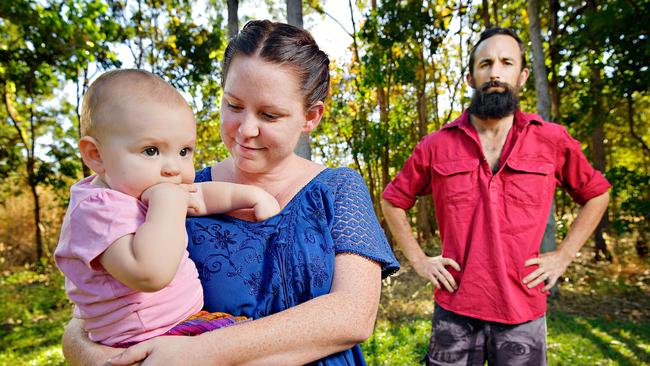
601	318
572	340
32	317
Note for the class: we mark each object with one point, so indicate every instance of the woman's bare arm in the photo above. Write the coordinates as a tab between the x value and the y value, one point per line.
322	326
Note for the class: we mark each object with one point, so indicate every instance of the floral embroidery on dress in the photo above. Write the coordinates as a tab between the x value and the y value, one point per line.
290	256
256	269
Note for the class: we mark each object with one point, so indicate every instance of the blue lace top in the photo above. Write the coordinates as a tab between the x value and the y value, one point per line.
255	269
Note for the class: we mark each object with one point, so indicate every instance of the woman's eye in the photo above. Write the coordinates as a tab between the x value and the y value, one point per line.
186	151
270	116
235	107
151	151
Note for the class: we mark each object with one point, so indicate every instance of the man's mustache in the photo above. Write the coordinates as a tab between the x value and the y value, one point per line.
495	84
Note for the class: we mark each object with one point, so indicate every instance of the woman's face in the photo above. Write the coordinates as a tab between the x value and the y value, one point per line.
263	114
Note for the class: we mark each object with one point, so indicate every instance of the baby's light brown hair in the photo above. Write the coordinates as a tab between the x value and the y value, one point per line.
113	88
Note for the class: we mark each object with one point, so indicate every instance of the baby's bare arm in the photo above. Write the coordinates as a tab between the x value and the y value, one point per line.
147	260
220	197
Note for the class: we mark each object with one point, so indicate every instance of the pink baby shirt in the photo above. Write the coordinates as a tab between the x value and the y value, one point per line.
112	312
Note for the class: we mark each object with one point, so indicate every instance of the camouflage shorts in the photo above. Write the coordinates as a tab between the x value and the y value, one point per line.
460	340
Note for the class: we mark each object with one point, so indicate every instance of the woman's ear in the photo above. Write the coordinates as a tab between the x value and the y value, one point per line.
313	117
89	149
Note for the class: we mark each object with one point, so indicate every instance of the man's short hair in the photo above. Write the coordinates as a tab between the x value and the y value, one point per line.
490	32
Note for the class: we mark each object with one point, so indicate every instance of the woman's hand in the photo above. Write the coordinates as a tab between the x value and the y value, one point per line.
168	350
79	350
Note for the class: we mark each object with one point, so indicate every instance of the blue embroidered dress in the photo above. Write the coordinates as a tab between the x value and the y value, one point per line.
255	269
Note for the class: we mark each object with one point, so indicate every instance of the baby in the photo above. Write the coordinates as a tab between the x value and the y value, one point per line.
123	241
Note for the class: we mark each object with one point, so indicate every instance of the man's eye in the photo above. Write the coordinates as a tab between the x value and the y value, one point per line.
186	151
151	151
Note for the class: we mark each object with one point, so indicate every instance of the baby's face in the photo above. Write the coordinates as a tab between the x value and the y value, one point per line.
148	143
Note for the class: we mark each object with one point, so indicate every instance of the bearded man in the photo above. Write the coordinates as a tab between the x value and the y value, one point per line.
492	174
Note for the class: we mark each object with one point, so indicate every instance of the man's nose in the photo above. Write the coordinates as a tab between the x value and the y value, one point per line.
495	72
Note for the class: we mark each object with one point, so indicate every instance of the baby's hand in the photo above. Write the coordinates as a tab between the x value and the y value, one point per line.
196	202
266	206
164	191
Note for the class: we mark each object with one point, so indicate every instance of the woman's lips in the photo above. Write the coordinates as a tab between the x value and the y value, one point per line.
249	147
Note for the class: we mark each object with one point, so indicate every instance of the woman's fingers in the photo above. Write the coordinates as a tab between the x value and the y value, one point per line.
131	355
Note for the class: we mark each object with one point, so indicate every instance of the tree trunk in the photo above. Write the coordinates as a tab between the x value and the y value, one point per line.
543	109
598	156
486	14
424	217
294	12
37	210
630	119
539	67
82	87
233	18
495	11
598	145
30	148
554	55
294	17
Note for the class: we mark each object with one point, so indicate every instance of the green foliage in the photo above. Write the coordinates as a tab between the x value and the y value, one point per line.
398	342
632	191
164	38
33	315
35	311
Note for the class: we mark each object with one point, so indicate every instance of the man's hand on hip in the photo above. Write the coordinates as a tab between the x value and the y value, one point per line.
433	269
551	266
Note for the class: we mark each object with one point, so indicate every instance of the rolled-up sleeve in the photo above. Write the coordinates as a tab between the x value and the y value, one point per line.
576	174
413	180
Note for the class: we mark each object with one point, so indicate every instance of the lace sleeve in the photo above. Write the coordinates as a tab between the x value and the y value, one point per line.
355	227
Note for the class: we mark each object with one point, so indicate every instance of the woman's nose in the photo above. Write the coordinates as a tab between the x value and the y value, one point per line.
248	127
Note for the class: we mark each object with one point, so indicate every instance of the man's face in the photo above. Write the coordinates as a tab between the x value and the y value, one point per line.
497	77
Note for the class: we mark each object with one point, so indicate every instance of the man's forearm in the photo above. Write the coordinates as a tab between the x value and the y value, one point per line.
402	232
584	224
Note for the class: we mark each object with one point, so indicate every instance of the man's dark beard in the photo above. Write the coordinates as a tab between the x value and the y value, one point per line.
494	105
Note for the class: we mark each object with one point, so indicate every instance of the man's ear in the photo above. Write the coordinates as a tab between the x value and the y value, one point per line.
89	149
470	81
523	76
313	117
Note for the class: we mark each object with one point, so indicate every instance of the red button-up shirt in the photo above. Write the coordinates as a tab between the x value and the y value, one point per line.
491	224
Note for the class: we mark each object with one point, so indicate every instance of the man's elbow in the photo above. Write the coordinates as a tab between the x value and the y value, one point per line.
385	205
605	197
601	200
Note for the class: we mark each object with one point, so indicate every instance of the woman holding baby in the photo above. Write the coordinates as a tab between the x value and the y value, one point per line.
308	277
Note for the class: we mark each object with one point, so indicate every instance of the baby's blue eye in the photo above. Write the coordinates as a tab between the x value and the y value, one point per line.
185	151
151	151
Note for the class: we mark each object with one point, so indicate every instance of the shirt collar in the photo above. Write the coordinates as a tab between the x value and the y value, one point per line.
522	119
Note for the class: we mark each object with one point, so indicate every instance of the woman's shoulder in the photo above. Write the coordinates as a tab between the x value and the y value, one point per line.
340	178
203	175
339	174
